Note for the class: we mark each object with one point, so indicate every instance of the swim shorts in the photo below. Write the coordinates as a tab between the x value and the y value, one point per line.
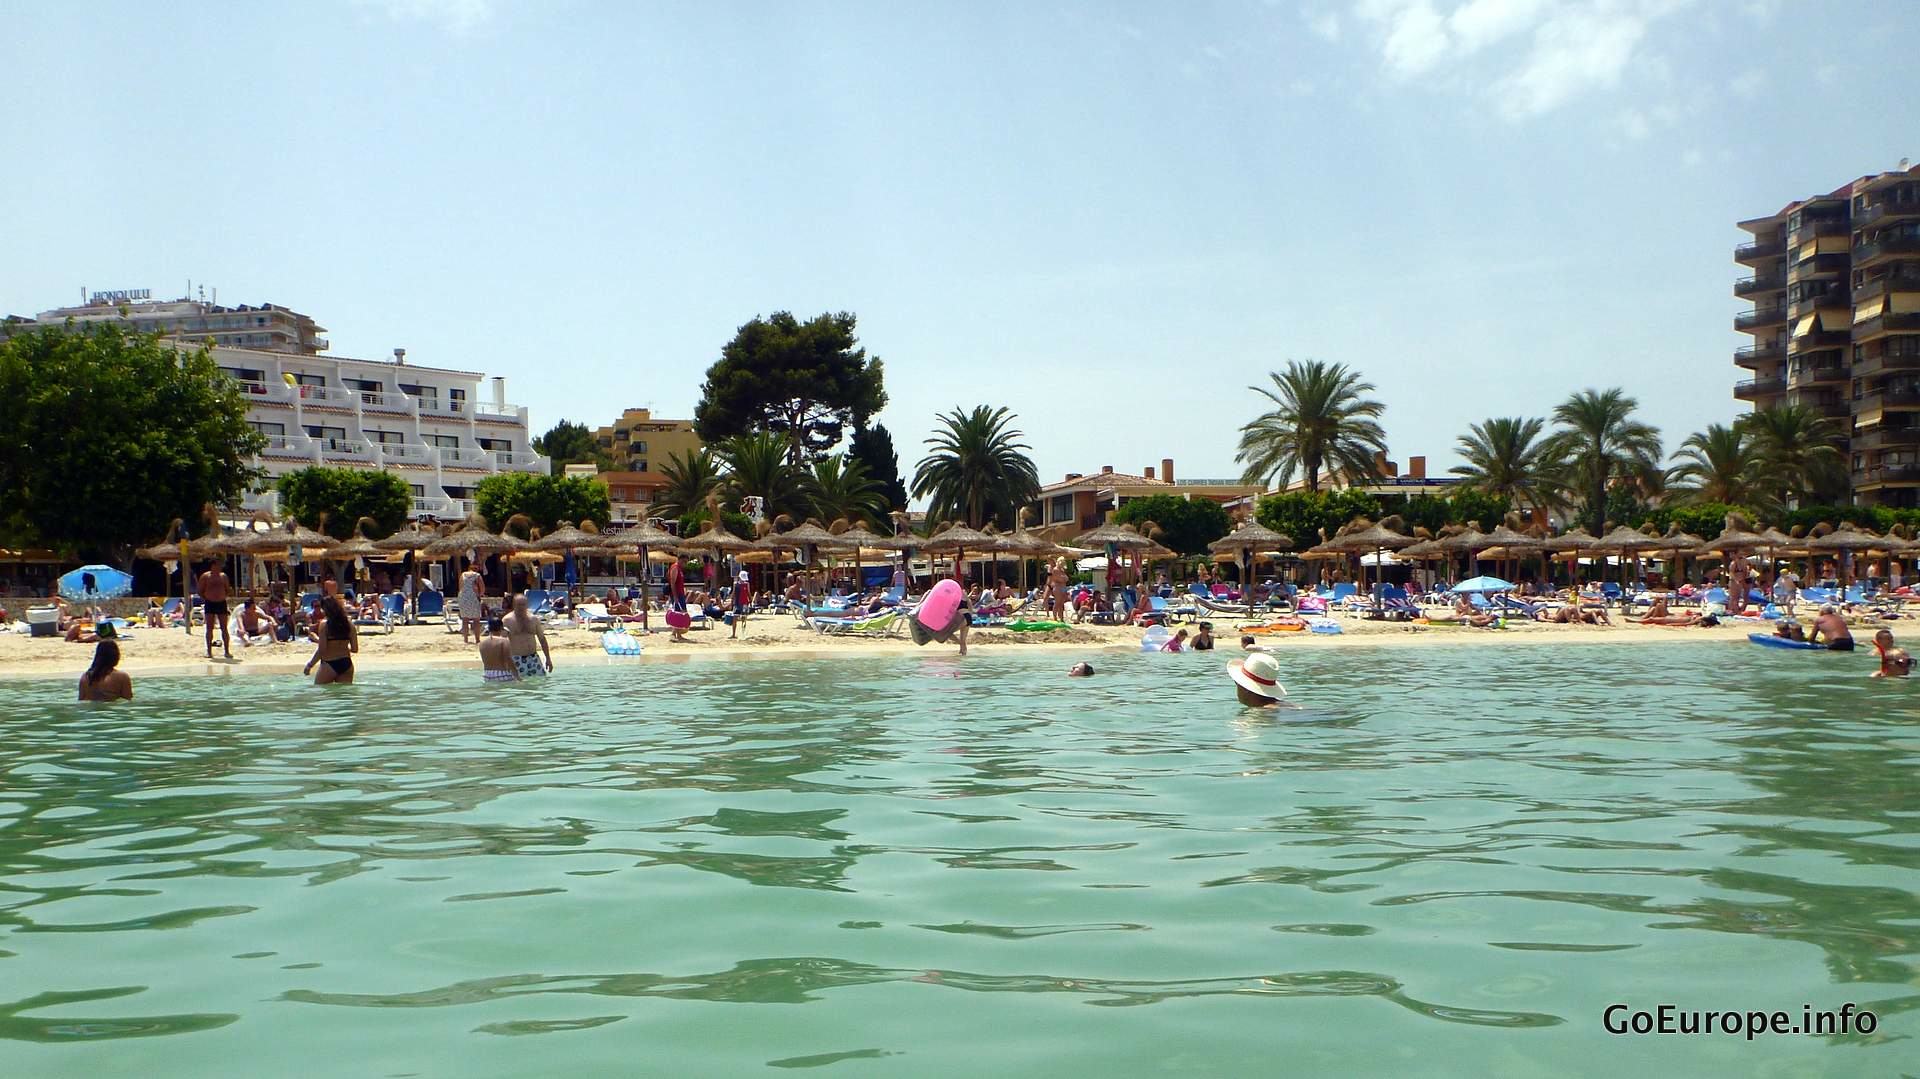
529	666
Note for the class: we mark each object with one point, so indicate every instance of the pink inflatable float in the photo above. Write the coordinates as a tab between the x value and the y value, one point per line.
935	620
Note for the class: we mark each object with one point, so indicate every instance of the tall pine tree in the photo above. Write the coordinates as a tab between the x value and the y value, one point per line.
873	447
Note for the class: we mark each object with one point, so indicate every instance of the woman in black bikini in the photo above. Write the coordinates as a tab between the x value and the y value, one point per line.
337	640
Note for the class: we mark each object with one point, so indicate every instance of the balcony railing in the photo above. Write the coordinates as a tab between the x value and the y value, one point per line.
462	457
1759	317
325	396
406	454
1752	355
277	393
1835	298
488	410
348	449
261	502
1821	341
1874	438
1759	249
1824	226
1818	372
434	506
1866	366
516	459
321	344
1883	396
1887	474
288	446
1880	286
1748	286
435	406
386	401
1880	211
1895	322
1750	388
1886	248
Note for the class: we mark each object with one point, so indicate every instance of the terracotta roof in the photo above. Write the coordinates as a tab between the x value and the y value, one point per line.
632	479
1105	479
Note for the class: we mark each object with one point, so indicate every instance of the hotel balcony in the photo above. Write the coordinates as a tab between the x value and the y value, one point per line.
1885	475
1759	250
1760	387
1757	355
1748	287
1818	341
385	401
1883	324
1868	366
1889	397
1874	438
1828	264
267	502
1824	226
326	397
1874	288
516	460
1811	374
433	406
498	413
462	457
446	509
407	454
1759	318
275	393
351	451
1836	298
1880	250
290	448
1885	211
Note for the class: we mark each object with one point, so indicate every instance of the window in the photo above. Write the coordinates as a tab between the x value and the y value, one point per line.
391	438
431	393
330	434
445	442
419	490
640	446
1060	508
498	444
260	321
640	465
456	400
311	380
268	428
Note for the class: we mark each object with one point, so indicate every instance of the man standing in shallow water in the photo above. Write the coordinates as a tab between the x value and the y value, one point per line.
496	654
213	591
525	635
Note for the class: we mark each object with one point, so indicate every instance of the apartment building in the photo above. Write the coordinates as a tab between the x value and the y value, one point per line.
1080	501
443	430
267	327
638	442
1835	323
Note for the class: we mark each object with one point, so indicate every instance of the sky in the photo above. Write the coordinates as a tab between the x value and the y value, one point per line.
1111	218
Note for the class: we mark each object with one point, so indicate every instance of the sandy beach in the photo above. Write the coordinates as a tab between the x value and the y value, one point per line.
173	651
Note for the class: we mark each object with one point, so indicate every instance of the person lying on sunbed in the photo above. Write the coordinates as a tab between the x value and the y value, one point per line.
1659	615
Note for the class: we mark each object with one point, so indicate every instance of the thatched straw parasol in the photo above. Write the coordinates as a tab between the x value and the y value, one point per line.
958	538
1247	540
474	537
1845	540
1112	535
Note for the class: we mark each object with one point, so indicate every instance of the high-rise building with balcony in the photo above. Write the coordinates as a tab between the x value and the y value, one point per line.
442	430
1835	285
640	442
268	327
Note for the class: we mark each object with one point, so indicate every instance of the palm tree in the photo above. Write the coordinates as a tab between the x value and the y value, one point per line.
976	469
1320	421
1798	458
839	486
1718	464
757	466
690	479
1602	441
1508	457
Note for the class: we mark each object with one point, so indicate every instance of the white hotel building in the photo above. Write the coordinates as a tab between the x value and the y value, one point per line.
442	430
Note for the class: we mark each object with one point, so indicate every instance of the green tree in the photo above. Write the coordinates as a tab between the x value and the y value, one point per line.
1321	421
1186	526
690	479
1799	454
838	486
1718	464
567	443
1510	457
873	448
757	466
696	521
1602	442
106	437
809	381
1463	506
546	500
341	496
976	469
1305	514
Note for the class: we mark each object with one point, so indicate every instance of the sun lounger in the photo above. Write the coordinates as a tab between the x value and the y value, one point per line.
429	604
883	624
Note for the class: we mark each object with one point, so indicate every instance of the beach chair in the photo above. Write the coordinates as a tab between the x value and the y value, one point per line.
1396	604
170	611
393	607
595	616
1516	605
1610	590
429	604
1342	592
539	601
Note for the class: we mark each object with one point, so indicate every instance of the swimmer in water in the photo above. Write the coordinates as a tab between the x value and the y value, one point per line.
1082	669
1256	681
1894	662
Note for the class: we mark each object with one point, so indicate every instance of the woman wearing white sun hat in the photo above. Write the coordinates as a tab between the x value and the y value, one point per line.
1257	680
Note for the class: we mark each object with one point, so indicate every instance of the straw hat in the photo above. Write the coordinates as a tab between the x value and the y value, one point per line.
1258	674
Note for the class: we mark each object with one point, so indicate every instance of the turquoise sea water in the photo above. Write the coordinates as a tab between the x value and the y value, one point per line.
1450	862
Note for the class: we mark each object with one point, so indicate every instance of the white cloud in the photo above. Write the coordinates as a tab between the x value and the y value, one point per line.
1693	158
1529	56
1635	125
1324	23
1747	84
457	16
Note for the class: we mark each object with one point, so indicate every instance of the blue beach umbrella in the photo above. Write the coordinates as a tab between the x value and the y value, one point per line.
1482	584
91	583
